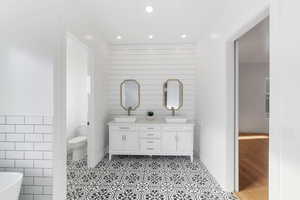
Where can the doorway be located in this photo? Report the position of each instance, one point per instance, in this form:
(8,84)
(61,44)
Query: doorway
(78,100)
(252,112)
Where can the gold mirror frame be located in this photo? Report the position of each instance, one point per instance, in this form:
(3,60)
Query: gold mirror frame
(121,94)
(165,94)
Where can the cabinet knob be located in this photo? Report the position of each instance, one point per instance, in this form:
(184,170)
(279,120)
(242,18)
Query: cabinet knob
(124,128)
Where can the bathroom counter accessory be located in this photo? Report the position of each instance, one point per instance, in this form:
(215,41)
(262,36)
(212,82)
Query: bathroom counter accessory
(151,138)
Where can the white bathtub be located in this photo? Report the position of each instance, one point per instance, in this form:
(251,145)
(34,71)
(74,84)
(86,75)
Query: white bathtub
(10,185)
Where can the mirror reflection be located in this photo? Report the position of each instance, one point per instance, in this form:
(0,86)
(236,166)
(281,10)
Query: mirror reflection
(130,95)
(173,95)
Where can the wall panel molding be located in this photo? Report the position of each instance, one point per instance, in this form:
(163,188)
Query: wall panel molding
(151,66)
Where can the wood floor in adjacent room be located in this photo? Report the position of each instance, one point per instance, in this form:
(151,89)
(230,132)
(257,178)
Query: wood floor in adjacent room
(253,174)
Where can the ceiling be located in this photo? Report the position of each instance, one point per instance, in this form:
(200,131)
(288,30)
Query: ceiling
(128,18)
(254,45)
(106,19)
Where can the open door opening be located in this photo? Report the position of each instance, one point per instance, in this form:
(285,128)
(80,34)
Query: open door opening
(252,113)
(78,88)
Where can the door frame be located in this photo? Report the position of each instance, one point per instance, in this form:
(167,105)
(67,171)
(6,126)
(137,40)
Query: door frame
(59,121)
(236,116)
(60,115)
(91,161)
(232,147)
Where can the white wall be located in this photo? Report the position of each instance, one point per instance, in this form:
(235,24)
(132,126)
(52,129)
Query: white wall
(211,109)
(151,66)
(215,93)
(285,98)
(252,94)
(26,64)
(30,42)
(99,140)
(77,94)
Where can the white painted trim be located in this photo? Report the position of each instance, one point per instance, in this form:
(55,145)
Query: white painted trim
(250,22)
(231,140)
(92,158)
(275,127)
(74,38)
(59,126)
(236,116)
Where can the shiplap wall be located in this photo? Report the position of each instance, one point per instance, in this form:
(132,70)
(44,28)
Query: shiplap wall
(151,66)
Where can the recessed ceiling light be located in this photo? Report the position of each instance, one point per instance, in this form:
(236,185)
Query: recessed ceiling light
(214,36)
(183,36)
(119,37)
(88,37)
(150,37)
(149,9)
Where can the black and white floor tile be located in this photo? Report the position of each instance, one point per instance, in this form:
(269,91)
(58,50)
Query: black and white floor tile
(143,178)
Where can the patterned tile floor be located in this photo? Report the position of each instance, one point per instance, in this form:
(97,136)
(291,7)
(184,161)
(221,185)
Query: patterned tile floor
(143,178)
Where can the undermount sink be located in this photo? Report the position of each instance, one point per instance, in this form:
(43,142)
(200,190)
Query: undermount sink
(125,119)
(175,119)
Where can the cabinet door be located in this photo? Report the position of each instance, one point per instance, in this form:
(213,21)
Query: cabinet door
(184,142)
(117,141)
(168,142)
(131,141)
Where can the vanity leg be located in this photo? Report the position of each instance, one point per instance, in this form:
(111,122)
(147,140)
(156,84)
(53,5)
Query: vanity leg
(109,156)
(192,158)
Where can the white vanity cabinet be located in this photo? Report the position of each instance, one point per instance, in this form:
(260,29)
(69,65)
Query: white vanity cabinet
(177,140)
(151,138)
(123,138)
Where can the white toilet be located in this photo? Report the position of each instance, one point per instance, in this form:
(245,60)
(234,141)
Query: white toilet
(78,145)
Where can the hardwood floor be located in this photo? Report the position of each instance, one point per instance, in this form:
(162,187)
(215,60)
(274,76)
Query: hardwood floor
(253,174)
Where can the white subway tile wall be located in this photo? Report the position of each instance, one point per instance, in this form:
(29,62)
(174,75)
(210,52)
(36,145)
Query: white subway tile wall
(2,120)
(26,146)
(15,119)
(7,128)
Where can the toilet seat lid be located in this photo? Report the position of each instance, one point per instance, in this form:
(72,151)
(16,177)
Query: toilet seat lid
(78,139)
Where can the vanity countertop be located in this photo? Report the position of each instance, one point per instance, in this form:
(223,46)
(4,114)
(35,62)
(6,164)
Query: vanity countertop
(143,121)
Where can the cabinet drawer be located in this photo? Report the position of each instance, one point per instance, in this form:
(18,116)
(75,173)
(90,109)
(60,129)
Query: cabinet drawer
(149,142)
(185,128)
(149,146)
(122,128)
(149,128)
(148,134)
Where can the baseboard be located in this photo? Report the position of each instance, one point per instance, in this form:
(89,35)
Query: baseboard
(196,154)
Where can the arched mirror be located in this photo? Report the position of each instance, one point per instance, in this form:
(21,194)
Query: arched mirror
(173,95)
(130,95)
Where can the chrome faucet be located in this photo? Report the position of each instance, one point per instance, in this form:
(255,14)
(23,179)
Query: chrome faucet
(129,111)
(173,111)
